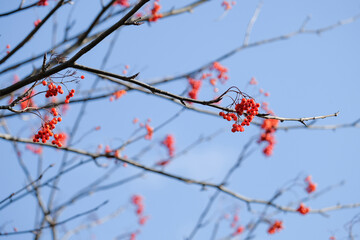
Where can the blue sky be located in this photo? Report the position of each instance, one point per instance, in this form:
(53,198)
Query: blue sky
(306,75)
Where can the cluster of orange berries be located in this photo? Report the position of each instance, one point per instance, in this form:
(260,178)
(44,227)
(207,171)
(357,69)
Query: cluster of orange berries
(195,87)
(221,72)
(238,229)
(269,126)
(70,95)
(227,5)
(137,200)
(155,12)
(8,48)
(169,143)
(117,94)
(248,107)
(150,132)
(59,139)
(275,227)
(47,131)
(53,90)
(37,22)
(28,102)
(311,185)
(303,209)
(124,3)
(35,150)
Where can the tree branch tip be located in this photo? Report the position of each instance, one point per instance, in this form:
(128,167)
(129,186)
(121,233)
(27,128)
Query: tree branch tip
(182,101)
(134,76)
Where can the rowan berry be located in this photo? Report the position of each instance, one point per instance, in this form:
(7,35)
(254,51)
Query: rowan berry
(143,220)
(311,186)
(302,209)
(82,76)
(43,3)
(275,227)
(195,87)
(37,22)
(239,230)
(150,132)
(123,3)
(155,12)
(169,143)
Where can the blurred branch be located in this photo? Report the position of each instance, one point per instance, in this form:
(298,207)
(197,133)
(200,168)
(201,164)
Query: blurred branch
(287,36)
(21,8)
(182,100)
(27,186)
(32,33)
(71,61)
(55,224)
(47,182)
(251,23)
(220,187)
(242,157)
(92,224)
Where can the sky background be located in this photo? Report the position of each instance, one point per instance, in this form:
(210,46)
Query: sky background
(306,75)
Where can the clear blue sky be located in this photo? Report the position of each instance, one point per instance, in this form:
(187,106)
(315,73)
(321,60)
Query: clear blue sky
(306,75)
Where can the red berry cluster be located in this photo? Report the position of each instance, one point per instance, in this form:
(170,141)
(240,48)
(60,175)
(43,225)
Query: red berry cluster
(155,12)
(46,131)
(311,185)
(59,139)
(137,200)
(53,90)
(43,3)
(35,150)
(37,22)
(8,48)
(221,70)
(124,3)
(118,94)
(248,107)
(150,132)
(269,126)
(28,102)
(195,87)
(302,209)
(227,5)
(169,143)
(70,95)
(234,224)
(275,227)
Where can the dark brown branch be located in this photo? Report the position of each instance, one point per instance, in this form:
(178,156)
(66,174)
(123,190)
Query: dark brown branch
(32,33)
(70,62)
(181,99)
(18,10)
